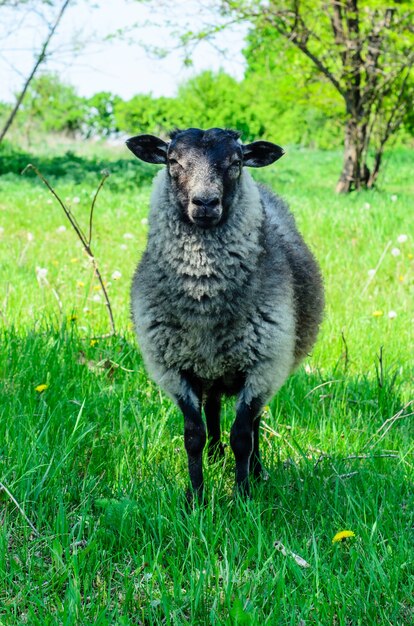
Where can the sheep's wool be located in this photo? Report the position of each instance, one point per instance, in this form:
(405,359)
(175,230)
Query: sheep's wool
(222,301)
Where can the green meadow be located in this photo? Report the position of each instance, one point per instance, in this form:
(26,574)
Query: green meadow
(93,523)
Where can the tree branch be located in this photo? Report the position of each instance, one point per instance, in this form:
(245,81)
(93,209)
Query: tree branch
(86,242)
(40,59)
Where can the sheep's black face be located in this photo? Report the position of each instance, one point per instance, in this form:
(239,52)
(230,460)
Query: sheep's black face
(204,168)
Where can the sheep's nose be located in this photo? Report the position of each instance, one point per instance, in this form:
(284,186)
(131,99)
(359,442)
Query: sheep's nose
(206,203)
(205,210)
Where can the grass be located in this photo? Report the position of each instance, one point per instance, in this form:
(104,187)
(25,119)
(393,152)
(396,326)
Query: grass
(96,461)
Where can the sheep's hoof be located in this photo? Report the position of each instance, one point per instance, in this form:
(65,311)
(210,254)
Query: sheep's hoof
(216,451)
(243,490)
(257,471)
(194,497)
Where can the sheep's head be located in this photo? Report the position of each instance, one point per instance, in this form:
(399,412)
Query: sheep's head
(204,168)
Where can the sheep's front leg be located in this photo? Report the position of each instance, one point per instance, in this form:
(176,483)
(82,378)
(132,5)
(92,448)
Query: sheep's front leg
(212,408)
(194,438)
(242,440)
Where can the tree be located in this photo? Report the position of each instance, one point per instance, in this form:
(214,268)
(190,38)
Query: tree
(296,105)
(54,106)
(364,49)
(40,58)
(100,119)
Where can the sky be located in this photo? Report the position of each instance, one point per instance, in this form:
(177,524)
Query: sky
(120,64)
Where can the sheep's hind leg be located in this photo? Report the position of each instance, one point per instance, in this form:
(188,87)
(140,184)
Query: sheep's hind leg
(194,437)
(256,467)
(242,441)
(212,408)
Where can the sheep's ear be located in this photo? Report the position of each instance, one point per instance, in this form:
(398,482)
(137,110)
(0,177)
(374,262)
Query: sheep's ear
(261,153)
(148,148)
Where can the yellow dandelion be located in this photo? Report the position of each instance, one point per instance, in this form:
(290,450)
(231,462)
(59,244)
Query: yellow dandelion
(401,279)
(97,287)
(41,388)
(74,260)
(377,313)
(410,256)
(80,283)
(93,342)
(343,534)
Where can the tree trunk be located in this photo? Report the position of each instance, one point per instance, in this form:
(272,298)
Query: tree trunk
(355,173)
(376,168)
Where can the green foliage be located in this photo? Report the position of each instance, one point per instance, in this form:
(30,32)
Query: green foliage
(100,118)
(293,45)
(294,102)
(53,106)
(259,106)
(144,114)
(280,98)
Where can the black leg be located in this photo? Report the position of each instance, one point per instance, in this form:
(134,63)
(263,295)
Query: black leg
(242,441)
(194,437)
(212,412)
(256,468)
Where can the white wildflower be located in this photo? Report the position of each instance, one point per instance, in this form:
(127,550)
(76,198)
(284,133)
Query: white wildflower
(394,198)
(76,200)
(96,297)
(395,252)
(144,221)
(41,272)
(367,205)
(402,238)
(41,275)
(49,201)
(30,236)
(286,552)
(61,229)
(371,273)
(128,236)
(123,246)
(1,230)
(116,275)
(392,315)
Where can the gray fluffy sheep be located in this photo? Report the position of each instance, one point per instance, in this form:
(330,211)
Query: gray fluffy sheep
(227,298)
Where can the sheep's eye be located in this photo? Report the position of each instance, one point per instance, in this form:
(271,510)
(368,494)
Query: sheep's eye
(236,163)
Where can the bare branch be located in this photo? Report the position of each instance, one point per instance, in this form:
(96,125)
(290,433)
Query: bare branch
(105,174)
(40,59)
(86,242)
(401,414)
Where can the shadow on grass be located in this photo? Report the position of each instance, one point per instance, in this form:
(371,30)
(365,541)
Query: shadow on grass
(75,168)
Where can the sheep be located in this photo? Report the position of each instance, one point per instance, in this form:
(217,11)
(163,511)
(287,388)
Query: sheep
(227,298)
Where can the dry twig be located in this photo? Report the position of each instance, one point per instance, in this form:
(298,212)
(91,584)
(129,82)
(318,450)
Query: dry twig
(389,423)
(19,508)
(86,241)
